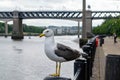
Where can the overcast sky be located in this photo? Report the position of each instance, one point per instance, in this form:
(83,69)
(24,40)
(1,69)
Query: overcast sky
(27,5)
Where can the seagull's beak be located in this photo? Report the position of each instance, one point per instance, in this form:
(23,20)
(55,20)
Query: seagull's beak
(41,35)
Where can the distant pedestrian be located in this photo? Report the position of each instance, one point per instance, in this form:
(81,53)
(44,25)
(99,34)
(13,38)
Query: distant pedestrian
(115,37)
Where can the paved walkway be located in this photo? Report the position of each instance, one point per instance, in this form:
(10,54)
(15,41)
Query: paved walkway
(96,66)
(109,47)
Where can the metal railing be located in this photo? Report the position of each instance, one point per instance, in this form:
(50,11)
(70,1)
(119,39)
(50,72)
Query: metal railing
(83,67)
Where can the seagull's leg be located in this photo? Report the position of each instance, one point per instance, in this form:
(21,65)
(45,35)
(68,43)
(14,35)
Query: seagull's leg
(57,70)
(56,67)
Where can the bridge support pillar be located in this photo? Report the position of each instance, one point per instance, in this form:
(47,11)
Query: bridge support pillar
(6,29)
(88,22)
(17,26)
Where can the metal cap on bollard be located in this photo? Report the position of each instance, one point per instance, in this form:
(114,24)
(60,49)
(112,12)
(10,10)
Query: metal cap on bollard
(90,44)
(56,78)
(86,48)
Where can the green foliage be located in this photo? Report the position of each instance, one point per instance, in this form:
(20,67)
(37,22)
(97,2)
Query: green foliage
(26,29)
(32,29)
(2,28)
(108,27)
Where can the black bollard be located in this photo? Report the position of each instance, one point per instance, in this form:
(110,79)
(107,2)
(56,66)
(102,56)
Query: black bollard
(93,49)
(112,70)
(87,49)
(56,78)
(90,58)
(80,71)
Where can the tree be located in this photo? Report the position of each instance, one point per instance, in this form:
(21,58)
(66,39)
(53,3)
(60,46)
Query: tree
(108,27)
(26,28)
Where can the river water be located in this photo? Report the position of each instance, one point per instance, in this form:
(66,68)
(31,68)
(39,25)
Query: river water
(26,60)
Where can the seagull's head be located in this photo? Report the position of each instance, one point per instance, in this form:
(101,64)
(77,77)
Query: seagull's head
(47,33)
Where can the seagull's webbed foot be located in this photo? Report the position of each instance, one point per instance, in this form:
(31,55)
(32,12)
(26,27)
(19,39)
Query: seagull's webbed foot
(55,75)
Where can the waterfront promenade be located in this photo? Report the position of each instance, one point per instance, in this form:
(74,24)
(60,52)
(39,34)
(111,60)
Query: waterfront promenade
(109,47)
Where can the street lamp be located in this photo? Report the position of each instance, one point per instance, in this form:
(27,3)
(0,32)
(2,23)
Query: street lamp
(84,20)
(89,7)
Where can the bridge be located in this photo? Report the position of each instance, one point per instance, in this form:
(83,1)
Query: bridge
(17,17)
(58,14)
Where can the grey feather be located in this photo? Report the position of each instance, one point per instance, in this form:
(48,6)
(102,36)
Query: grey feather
(66,52)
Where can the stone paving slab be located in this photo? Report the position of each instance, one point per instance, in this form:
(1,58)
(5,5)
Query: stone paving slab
(96,67)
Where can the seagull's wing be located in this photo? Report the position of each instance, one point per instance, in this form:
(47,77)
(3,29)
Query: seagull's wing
(71,42)
(66,52)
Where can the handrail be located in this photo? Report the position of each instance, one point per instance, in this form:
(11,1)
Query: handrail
(77,74)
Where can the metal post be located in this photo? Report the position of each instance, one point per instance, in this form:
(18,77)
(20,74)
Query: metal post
(78,29)
(84,20)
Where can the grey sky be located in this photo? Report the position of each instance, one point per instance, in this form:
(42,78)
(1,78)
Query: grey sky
(10,5)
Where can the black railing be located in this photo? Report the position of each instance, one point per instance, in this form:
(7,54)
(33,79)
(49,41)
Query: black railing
(83,67)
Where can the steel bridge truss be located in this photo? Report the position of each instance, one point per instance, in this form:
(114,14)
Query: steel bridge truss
(59,15)
(105,14)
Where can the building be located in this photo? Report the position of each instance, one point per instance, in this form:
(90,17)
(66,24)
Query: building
(64,30)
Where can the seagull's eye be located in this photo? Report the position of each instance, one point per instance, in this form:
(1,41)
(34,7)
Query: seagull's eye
(47,31)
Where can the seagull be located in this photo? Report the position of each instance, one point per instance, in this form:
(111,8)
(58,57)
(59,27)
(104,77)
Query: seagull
(58,52)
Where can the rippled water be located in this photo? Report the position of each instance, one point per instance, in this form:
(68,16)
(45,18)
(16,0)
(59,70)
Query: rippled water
(26,60)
